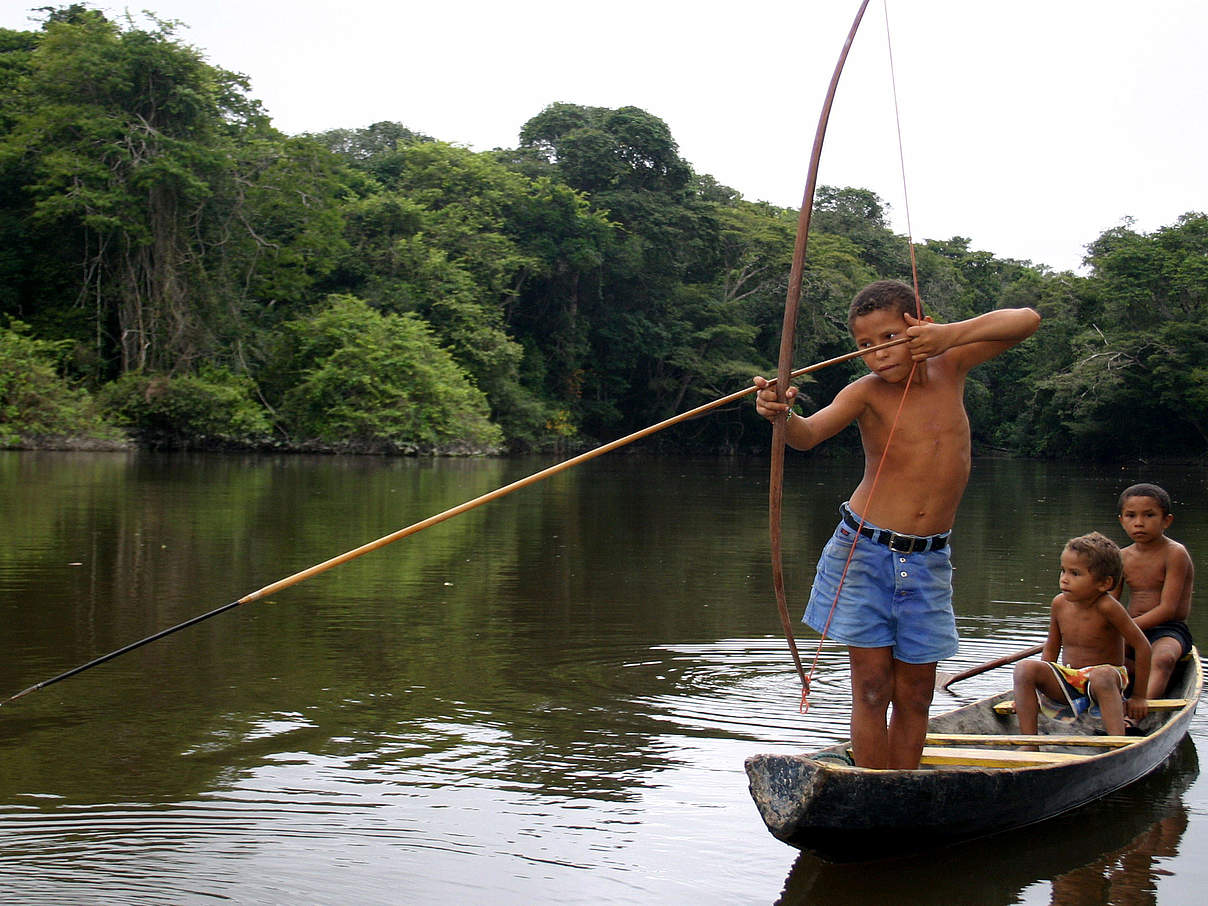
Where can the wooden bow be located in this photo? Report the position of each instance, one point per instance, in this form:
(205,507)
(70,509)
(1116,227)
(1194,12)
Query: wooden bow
(785,362)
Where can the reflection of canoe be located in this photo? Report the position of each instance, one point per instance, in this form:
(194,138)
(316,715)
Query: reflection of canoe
(975,780)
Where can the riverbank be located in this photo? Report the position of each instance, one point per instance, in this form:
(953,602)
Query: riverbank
(131,443)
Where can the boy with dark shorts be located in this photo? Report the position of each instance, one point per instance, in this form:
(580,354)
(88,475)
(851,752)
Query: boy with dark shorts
(894,611)
(1159,575)
(1088,628)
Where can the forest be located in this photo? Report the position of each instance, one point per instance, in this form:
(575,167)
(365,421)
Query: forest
(176,273)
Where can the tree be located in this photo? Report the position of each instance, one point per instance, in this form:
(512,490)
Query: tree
(360,145)
(491,258)
(144,162)
(859,215)
(350,375)
(1136,385)
(627,163)
(598,149)
(35,400)
(131,117)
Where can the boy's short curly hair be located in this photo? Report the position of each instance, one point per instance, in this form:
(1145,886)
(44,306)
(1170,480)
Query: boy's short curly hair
(1101,554)
(1145,490)
(884,294)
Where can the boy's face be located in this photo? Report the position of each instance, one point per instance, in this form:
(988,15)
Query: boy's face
(893,364)
(1143,520)
(1077,581)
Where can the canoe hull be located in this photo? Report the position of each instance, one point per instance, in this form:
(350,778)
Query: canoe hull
(843,813)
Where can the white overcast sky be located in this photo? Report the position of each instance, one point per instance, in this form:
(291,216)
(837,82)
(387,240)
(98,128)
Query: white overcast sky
(1029,126)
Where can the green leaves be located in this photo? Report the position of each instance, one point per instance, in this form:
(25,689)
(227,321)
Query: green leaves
(1131,381)
(381,288)
(211,408)
(378,381)
(35,401)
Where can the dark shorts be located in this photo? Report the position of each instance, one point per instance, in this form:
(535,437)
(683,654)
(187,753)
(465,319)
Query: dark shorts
(1174,629)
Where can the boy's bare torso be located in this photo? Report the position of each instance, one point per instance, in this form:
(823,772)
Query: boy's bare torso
(1087,637)
(1145,570)
(928,460)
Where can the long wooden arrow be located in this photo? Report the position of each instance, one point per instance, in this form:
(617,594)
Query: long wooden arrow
(439,517)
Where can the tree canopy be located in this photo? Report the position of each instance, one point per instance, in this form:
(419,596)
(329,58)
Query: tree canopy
(172,264)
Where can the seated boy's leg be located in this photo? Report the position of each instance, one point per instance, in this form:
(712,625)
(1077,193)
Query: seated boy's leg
(913,689)
(1165,654)
(1032,677)
(872,675)
(1104,687)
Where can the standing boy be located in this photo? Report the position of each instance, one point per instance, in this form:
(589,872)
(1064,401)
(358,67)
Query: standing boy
(1090,628)
(1159,574)
(894,607)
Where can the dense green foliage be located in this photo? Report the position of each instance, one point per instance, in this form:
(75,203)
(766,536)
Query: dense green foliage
(355,375)
(211,407)
(35,400)
(202,278)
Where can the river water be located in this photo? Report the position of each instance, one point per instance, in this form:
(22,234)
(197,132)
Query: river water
(547,699)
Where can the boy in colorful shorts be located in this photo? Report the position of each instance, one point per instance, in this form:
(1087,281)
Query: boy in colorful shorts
(894,611)
(1090,628)
(1159,575)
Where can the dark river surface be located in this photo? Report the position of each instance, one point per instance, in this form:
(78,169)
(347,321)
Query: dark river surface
(547,699)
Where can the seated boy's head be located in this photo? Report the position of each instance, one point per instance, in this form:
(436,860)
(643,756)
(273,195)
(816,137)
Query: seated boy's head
(1144,512)
(1097,555)
(1160,497)
(884,295)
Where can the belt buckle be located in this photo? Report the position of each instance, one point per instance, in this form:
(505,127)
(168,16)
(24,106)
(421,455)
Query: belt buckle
(902,544)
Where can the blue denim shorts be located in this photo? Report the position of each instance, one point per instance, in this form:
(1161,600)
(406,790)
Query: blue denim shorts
(889,599)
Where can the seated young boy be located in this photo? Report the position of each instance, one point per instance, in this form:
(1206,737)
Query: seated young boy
(1159,574)
(1090,628)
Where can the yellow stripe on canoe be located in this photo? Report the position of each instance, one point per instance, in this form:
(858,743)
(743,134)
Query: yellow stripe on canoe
(1155,704)
(998,739)
(986,758)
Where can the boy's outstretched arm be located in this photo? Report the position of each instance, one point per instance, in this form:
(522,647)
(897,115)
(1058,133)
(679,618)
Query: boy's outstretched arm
(806,432)
(978,339)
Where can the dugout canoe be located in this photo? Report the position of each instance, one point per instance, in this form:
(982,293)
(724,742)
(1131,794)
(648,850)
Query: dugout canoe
(974,781)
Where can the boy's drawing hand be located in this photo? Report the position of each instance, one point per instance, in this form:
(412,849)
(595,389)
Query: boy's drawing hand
(1137,707)
(766,403)
(927,338)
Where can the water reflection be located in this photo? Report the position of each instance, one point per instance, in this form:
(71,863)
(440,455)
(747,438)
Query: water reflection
(1107,852)
(553,693)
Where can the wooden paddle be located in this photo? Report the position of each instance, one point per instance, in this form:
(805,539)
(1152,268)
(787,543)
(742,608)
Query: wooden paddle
(944,680)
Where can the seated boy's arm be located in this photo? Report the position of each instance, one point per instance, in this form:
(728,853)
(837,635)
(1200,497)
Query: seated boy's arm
(975,340)
(1117,590)
(1052,644)
(1175,601)
(1137,706)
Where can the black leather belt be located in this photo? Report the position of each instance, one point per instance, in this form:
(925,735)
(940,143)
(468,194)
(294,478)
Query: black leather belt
(902,544)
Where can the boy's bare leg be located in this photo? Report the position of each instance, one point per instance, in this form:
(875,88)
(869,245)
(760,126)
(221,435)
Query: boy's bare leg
(1105,688)
(1164,655)
(913,689)
(871,689)
(1031,676)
